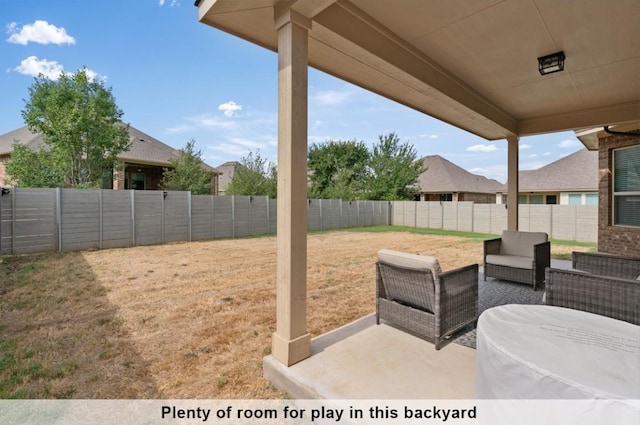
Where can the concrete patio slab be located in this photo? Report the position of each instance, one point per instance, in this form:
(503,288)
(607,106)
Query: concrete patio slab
(367,361)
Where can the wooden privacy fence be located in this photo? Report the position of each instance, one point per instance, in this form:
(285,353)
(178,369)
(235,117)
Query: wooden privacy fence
(566,222)
(40,220)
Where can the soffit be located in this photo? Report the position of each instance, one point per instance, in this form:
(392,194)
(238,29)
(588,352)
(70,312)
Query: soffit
(471,64)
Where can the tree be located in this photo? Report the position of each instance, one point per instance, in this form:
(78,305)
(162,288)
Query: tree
(187,172)
(338,169)
(81,129)
(254,176)
(393,170)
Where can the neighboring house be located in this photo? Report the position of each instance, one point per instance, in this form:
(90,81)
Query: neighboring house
(226,170)
(144,162)
(618,151)
(571,180)
(443,180)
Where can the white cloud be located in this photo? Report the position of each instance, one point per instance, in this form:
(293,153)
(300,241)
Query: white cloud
(525,146)
(568,144)
(34,67)
(497,172)
(39,32)
(482,148)
(330,98)
(50,69)
(230,108)
(173,3)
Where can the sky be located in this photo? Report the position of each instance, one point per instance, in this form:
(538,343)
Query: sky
(177,80)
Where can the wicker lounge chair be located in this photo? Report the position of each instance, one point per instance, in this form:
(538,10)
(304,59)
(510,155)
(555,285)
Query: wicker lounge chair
(412,293)
(518,257)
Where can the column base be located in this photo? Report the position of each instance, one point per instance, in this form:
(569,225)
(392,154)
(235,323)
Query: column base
(289,352)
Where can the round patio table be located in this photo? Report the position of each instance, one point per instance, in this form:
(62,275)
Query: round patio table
(545,352)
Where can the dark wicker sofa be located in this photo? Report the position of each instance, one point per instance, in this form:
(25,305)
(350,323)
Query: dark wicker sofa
(599,283)
(413,294)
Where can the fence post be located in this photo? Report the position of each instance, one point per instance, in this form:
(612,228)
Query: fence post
(321,217)
(266,199)
(162,217)
(101,218)
(59,218)
(213,217)
(13,220)
(473,216)
(189,212)
(233,216)
(133,217)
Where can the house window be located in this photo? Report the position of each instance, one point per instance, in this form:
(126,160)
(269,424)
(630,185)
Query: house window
(592,199)
(626,186)
(134,181)
(551,199)
(446,197)
(535,199)
(575,199)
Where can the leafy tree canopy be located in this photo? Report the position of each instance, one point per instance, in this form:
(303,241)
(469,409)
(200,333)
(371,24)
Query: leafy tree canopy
(254,176)
(393,170)
(338,169)
(187,172)
(80,125)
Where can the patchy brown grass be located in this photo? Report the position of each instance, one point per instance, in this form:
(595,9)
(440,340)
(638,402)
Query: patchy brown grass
(190,320)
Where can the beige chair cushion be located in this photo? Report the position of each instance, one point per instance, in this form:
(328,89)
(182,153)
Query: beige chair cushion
(410,261)
(520,243)
(513,261)
(418,295)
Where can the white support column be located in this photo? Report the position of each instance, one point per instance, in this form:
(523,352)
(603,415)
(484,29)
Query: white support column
(291,341)
(512,185)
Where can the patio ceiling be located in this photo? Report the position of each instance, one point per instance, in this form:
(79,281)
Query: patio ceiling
(469,63)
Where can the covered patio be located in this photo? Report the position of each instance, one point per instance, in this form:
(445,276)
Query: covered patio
(475,65)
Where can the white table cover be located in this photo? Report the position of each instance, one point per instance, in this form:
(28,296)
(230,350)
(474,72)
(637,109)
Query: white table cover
(544,352)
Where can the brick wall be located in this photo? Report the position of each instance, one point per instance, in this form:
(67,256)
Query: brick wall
(618,240)
(478,198)
(4,179)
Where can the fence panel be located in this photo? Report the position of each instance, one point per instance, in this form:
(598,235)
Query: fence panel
(499,218)
(34,226)
(6,222)
(148,207)
(117,225)
(464,216)
(80,219)
(201,217)
(259,215)
(314,215)
(586,223)
(482,218)
(223,217)
(176,224)
(273,216)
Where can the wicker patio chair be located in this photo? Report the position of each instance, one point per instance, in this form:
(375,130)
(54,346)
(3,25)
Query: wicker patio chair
(413,294)
(518,257)
(609,296)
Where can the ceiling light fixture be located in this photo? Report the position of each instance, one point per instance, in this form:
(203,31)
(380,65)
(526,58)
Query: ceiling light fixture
(551,63)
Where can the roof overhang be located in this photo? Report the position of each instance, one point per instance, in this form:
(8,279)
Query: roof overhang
(590,137)
(470,64)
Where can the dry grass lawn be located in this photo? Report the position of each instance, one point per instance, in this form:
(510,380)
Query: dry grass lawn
(190,320)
